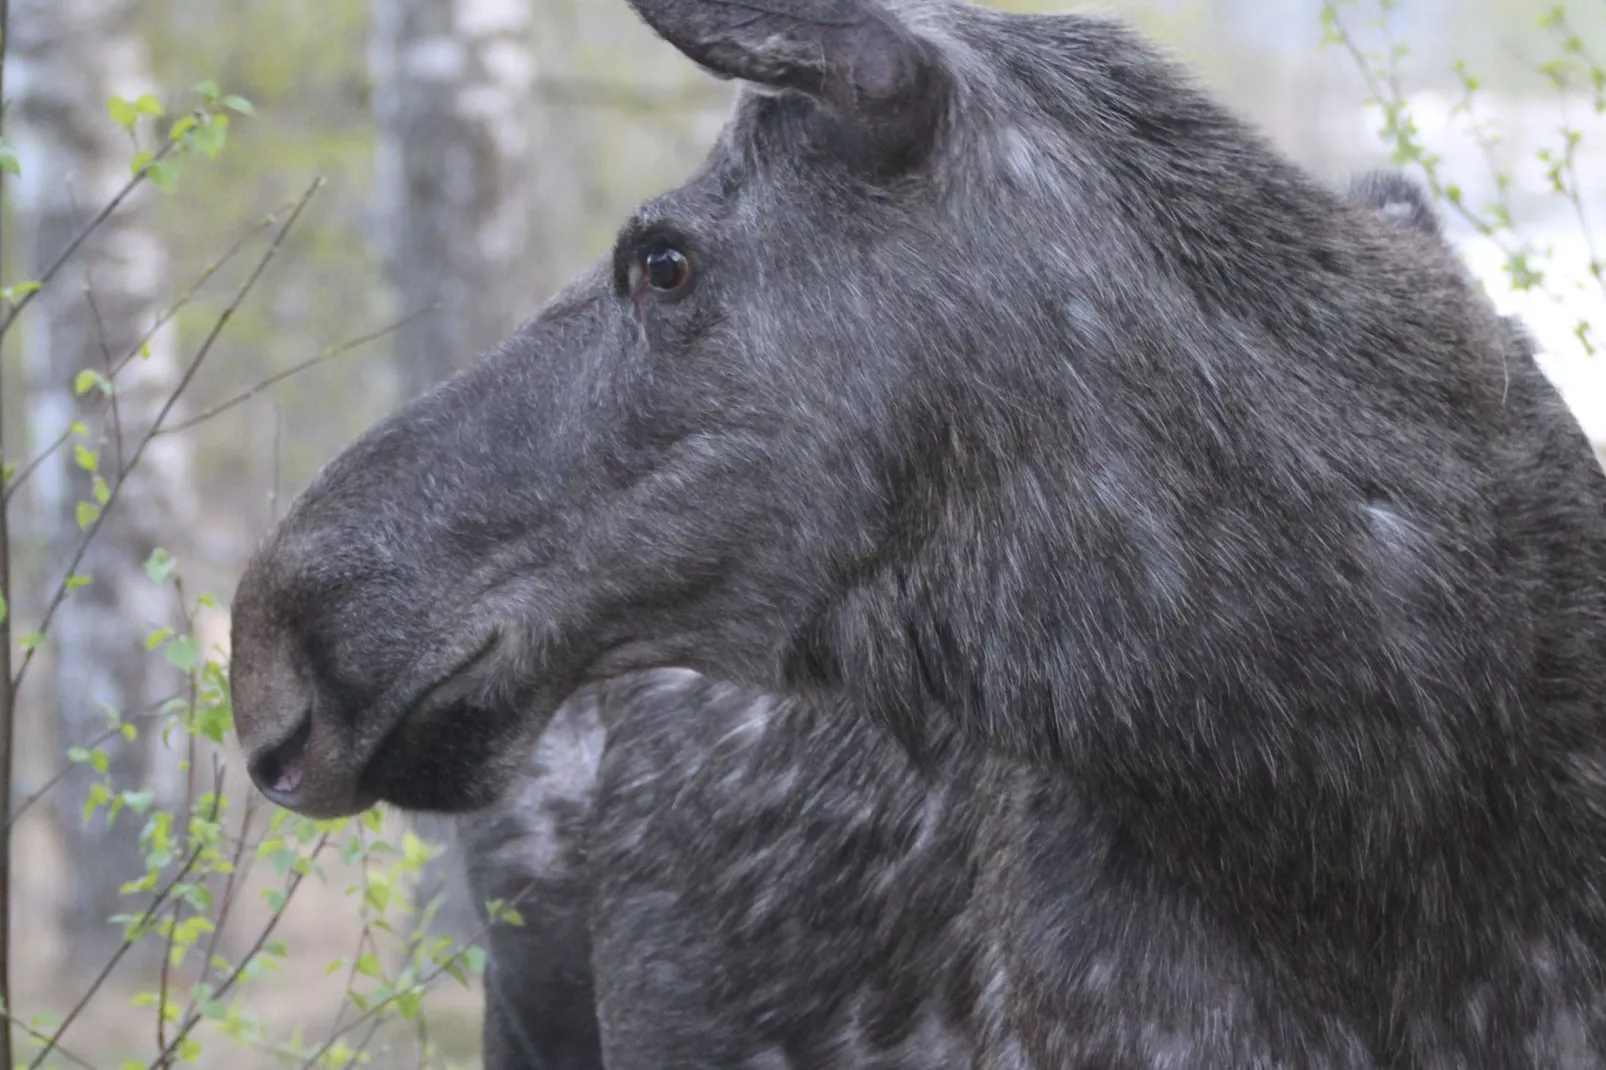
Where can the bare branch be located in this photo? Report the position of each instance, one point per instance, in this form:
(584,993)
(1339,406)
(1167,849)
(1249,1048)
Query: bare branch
(424,981)
(274,380)
(201,354)
(190,1021)
(61,774)
(161,321)
(129,940)
(111,206)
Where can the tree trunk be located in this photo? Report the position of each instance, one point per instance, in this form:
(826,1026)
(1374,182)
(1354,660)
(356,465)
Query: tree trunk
(69,57)
(466,196)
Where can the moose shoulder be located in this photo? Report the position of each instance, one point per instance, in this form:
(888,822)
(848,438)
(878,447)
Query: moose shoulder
(993,381)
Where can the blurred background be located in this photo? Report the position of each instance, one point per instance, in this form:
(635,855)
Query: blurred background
(475,154)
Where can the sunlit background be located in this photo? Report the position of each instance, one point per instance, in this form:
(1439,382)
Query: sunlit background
(475,154)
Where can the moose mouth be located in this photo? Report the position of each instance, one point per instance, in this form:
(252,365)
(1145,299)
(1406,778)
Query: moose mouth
(319,771)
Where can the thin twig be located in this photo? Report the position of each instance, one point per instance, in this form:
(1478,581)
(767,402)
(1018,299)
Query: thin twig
(424,981)
(273,380)
(43,1037)
(8,693)
(114,407)
(133,351)
(1388,95)
(133,183)
(226,903)
(201,354)
(190,1021)
(149,713)
(129,940)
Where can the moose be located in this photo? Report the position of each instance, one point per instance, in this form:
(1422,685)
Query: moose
(992,387)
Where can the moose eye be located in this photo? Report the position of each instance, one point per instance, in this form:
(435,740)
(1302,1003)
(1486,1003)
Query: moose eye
(665,269)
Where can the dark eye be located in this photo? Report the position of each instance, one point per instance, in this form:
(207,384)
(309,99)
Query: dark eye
(665,269)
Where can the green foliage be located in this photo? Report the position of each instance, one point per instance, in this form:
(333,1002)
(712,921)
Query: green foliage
(1572,68)
(201,853)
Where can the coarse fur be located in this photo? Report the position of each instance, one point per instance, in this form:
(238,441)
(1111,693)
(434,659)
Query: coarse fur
(725,879)
(1020,398)
(721,804)
(527,851)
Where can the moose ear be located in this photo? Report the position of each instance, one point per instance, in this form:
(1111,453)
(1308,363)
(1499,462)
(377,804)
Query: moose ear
(880,80)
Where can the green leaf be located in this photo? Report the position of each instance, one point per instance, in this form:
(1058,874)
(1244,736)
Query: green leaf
(5,609)
(149,105)
(208,89)
(162,176)
(368,965)
(138,163)
(157,638)
(122,112)
(182,653)
(8,159)
(98,761)
(212,136)
(84,381)
(102,491)
(474,959)
(88,513)
(77,580)
(85,458)
(32,641)
(239,104)
(158,567)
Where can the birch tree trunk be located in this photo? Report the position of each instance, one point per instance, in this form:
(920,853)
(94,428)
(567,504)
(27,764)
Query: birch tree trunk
(69,57)
(470,192)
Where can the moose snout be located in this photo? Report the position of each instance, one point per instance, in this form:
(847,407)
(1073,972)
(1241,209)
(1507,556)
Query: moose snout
(297,756)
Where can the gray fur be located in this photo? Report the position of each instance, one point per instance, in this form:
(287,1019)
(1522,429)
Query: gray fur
(1079,430)
(750,868)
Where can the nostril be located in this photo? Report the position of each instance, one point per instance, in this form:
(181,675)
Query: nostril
(279,769)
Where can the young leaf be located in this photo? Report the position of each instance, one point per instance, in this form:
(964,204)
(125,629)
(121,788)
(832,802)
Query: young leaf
(181,652)
(162,176)
(160,565)
(122,112)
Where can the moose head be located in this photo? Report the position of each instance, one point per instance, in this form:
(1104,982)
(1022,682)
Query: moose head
(987,375)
